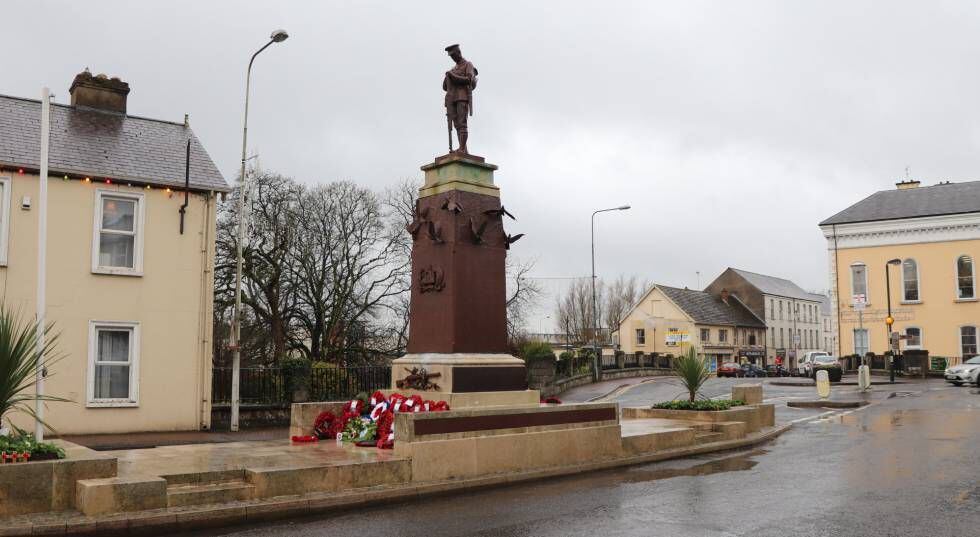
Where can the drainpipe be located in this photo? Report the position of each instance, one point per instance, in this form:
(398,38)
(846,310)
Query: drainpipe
(187,184)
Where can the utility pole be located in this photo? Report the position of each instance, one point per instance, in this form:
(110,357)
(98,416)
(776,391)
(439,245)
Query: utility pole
(42,263)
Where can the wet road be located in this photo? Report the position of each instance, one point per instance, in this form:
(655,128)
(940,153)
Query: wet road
(907,465)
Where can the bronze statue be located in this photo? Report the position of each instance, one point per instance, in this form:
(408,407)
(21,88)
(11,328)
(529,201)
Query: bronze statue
(459,83)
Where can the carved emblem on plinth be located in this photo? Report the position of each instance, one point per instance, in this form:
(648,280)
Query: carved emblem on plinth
(431,280)
(418,379)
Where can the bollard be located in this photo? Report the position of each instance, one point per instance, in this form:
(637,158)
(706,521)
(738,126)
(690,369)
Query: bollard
(823,384)
(864,377)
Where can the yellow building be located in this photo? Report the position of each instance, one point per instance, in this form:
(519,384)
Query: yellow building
(667,319)
(932,235)
(129,292)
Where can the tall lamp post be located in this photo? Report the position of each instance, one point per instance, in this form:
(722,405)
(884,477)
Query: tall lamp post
(595,309)
(277,36)
(889,320)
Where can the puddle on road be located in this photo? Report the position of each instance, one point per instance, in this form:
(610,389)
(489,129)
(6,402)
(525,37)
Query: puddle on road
(664,471)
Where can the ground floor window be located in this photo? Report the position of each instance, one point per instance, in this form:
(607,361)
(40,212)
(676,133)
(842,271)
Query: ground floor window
(113,363)
(968,341)
(860,341)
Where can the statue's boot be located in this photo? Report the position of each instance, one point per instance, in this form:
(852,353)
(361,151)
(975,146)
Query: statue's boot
(462,143)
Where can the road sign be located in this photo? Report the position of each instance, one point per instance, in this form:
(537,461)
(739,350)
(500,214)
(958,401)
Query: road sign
(796,340)
(859,301)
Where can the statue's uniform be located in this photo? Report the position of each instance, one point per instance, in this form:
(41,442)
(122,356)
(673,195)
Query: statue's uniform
(459,94)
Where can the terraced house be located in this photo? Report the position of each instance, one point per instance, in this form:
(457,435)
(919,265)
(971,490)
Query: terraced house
(926,239)
(130,255)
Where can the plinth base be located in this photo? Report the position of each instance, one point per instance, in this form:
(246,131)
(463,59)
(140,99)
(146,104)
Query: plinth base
(468,379)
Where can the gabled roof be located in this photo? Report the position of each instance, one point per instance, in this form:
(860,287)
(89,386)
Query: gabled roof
(706,308)
(772,285)
(895,204)
(96,143)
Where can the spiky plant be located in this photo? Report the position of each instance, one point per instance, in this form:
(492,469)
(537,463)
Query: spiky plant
(19,359)
(691,371)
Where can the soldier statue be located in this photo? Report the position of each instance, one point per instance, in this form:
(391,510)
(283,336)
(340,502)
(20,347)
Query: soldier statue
(459,83)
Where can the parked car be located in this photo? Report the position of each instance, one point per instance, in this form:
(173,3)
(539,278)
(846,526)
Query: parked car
(967,372)
(730,369)
(752,370)
(805,365)
(776,371)
(827,363)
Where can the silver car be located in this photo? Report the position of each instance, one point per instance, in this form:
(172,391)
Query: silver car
(967,372)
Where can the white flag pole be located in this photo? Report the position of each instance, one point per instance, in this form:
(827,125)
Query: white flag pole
(42,241)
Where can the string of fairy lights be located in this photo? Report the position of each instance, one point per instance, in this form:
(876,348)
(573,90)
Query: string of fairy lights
(88,180)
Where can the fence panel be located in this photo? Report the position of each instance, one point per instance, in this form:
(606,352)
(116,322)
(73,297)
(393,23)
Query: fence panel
(266,385)
(608,362)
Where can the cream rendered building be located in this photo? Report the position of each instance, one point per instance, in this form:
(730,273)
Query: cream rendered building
(667,320)
(129,294)
(934,232)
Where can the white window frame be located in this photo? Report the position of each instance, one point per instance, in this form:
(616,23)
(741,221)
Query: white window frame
(641,336)
(907,345)
(723,335)
(134,360)
(956,278)
(918,282)
(7,185)
(139,220)
(867,280)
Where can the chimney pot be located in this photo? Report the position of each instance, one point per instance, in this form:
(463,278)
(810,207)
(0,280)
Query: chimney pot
(905,185)
(99,92)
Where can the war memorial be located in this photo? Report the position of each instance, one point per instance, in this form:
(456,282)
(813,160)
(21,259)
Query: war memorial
(458,414)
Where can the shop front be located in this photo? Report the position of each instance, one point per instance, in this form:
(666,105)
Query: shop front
(752,355)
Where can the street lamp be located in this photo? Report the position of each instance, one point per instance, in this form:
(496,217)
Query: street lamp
(889,320)
(595,308)
(277,36)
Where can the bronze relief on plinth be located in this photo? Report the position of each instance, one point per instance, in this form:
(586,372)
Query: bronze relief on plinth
(431,279)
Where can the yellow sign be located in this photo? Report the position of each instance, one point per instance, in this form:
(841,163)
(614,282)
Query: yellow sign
(676,335)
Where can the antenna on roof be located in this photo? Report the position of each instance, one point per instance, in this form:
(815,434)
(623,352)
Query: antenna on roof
(908,171)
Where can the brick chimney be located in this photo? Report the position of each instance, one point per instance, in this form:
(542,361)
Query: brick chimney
(99,92)
(905,185)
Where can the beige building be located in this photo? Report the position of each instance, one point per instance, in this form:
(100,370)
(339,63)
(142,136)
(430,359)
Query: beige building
(933,233)
(129,292)
(667,320)
(792,315)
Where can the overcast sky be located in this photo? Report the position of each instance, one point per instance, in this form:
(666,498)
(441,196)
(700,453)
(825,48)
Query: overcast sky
(732,128)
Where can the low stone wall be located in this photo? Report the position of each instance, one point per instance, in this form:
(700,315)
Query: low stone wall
(564,385)
(250,416)
(485,441)
(755,417)
(34,487)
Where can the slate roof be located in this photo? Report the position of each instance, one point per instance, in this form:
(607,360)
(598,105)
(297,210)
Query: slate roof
(706,308)
(895,204)
(97,143)
(824,303)
(772,285)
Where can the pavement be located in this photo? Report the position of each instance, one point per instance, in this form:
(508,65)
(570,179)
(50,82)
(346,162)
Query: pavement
(598,390)
(907,464)
(104,442)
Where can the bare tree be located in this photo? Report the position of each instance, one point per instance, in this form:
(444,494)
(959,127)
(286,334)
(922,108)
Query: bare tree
(267,292)
(573,310)
(621,295)
(523,296)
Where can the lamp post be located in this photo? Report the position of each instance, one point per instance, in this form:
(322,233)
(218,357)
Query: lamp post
(277,36)
(595,311)
(889,320)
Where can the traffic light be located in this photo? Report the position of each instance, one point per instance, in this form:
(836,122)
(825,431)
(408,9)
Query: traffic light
(889,321)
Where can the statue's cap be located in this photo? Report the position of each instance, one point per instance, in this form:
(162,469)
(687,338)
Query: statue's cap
(451,48)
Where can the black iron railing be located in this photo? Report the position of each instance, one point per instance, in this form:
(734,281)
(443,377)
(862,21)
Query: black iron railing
(267,385)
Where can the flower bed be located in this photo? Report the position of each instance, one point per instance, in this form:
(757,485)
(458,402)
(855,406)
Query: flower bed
(24,448)
(699,405)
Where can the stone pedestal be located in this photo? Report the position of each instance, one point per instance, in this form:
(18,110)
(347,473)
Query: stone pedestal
(458,319)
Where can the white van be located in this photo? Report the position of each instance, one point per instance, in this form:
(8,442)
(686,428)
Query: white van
(805,365)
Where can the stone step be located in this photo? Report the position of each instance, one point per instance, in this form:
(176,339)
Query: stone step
(707,438)
(208,493)
(203,478)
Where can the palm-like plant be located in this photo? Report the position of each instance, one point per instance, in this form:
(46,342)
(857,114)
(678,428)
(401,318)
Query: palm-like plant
(19,359)
(692,371)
